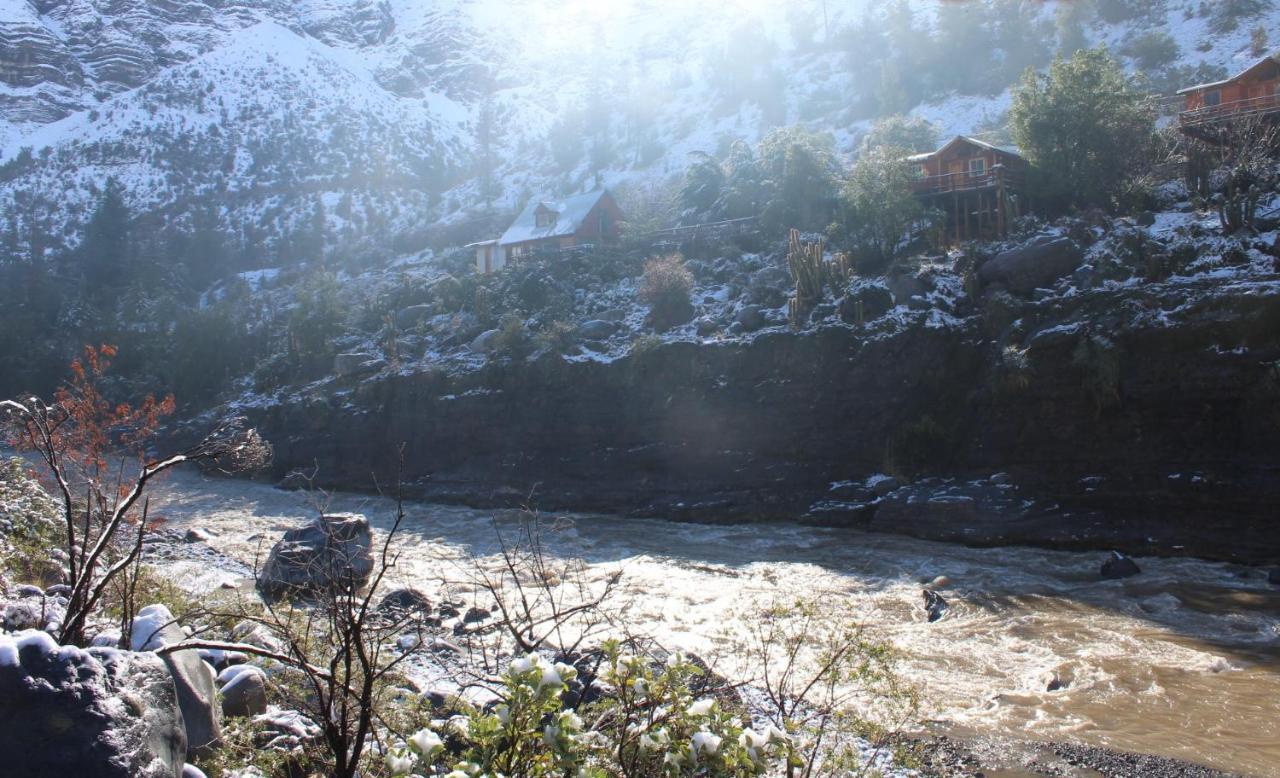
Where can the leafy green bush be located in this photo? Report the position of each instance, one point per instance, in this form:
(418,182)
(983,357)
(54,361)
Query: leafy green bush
(879,207)
(1084,126)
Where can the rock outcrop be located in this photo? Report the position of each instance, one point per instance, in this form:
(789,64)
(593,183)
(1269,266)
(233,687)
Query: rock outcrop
(99,712)
(1038,264)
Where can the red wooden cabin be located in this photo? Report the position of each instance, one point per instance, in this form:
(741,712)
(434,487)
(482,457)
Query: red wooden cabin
(975,183)
(1254,91)
(553,225)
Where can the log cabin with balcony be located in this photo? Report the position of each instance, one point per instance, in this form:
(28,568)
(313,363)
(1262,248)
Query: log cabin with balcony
(1211,109)
(976,184)
(548,226)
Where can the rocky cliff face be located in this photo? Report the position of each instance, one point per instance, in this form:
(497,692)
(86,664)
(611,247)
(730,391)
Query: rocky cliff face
(1142,418)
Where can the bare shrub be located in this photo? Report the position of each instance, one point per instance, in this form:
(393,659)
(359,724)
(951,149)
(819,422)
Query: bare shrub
(665,287)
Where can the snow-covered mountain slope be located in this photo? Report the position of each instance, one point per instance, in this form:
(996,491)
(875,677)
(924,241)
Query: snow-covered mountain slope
(395,114)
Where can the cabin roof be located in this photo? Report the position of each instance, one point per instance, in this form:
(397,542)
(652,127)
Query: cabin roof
(963,139)
(570,213)
(477,244)
(1273,59)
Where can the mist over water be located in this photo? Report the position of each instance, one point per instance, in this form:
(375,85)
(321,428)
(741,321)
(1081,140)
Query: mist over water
(1182,660)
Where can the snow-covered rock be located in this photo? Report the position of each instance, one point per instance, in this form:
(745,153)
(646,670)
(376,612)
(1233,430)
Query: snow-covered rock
(154,627)
(100,712)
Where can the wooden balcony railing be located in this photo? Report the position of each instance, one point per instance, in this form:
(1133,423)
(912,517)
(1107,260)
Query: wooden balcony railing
(966,181)
(1252,106)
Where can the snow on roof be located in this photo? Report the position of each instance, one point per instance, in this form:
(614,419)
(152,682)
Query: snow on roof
(570,213)
(964,139)
(1273,58)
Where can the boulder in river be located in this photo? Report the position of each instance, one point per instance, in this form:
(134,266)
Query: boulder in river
(332,553)
(405,602)
(100,712)
(1119,566)
(934,604)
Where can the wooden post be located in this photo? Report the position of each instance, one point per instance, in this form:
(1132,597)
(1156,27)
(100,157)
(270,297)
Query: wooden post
(955,213)
(1000,201)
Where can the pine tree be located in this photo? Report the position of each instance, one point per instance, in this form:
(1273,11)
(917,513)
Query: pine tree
(104,253)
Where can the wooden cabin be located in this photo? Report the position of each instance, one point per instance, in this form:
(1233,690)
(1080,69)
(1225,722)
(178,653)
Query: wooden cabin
(553,225)
(1209,108)
(977,185)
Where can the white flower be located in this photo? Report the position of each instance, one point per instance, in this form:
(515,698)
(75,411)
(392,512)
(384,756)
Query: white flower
(750,739)
(400,761)
(503,712)
(570,720)
(652,741)
(525,663)
(701,707)
(550,677)
(567,672)
(459,725)
(641,687)
(705,742)
(457,774)
(426,742)
(776,735)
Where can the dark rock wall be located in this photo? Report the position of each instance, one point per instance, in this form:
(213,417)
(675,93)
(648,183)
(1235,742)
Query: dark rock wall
(1177,423)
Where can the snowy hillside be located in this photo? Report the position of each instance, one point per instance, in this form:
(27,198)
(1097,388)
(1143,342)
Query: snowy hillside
(377,118)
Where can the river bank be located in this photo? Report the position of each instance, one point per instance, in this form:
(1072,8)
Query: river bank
(1182,661)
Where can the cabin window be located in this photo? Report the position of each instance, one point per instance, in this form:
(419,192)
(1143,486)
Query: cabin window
(1213,98)
(977,167)
(545,218)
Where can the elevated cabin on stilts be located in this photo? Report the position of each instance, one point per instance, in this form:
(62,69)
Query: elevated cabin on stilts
(1211,109)
(977,185)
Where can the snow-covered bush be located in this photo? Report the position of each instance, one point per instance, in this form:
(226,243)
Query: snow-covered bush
(28,525)
(647,722)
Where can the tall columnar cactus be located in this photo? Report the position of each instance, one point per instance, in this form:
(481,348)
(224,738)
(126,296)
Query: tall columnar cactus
(839,272)
(807,268)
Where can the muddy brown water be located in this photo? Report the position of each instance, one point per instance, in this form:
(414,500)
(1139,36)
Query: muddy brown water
(1181,661)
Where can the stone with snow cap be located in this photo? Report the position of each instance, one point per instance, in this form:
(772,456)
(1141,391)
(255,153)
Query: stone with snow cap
(153,628)
(98,712)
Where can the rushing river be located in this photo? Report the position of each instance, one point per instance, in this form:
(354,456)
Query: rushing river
(1182,660)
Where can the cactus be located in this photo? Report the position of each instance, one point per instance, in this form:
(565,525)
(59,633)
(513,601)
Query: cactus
(808,270)
(839,272)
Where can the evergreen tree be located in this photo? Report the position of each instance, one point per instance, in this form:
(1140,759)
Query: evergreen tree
(104,253)
(879,206)
(798,179)
(911,133)
(703,185)
(1083,125)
